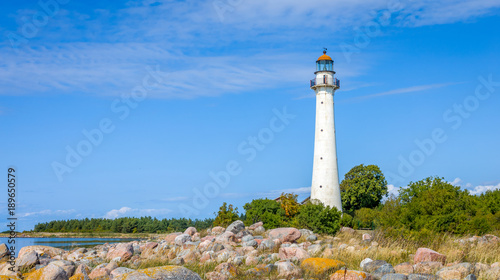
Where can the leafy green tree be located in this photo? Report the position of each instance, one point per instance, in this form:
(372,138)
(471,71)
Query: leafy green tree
(266,210)
(318,218)
(362,187)
(226,215)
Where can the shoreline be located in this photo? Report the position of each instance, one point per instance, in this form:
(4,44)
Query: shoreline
(84,235)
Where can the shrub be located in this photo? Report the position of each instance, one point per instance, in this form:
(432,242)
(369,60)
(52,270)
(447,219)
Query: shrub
(264,210)
(365,218)
(318,218)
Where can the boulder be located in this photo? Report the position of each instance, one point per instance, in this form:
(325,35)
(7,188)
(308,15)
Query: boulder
(422,276)
(99,271)
(170,239)
(285,234)
(226,237)
(458,271)
(383,270)
(404,268)
(27,260)
(364,262)
(68,266)
(428,255)
(160,273)
(373,265)
(394,276)
(4,251)
(51,252)
(348,275)
(287,269)
(181,239)
(236,227)
(218,230)
(259,230)
(312,238)
(124,251)
(227,269)
(320,266)
(367,237)
(287,253)
(120,271)
(428,267)
(190,230)
(256,225)
(49,272)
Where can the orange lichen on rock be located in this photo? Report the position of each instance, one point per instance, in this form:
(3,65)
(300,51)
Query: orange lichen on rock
(321,265)
(78,276)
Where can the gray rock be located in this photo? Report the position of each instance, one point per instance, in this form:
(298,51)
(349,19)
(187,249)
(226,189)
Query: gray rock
(236,227)
(217,247)
(247,238)
(365,262)
(238,260)
(68,266)
(314,249)
(4,250)
(394,276)
(259,230)
(119,271)
(53,272)
(471,277)
(312,238)
(383,270)
(252,243)
(267,244)
(423,276)
(374,265)
(306,232)
(27,260)
(181,239)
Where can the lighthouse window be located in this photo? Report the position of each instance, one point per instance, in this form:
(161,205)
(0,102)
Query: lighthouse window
(322,130)
(321,102)
(321,158)
(320,186)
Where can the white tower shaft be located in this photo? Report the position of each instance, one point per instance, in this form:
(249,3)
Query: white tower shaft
(325,182)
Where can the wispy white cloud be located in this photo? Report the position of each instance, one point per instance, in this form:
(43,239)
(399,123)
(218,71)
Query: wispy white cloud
(48,212)
(108,57)
(402,91)
(130,212)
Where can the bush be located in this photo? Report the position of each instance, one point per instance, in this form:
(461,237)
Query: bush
(346,220)
(318,218)
(264,210)
(365,218)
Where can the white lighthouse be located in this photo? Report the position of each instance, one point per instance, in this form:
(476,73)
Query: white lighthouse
(325,181)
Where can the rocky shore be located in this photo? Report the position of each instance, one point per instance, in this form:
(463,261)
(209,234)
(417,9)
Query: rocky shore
(239,252)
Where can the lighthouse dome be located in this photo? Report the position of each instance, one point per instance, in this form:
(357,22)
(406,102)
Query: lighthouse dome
(325,57)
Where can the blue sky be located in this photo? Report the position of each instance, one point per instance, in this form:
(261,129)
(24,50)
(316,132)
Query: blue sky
(112,109)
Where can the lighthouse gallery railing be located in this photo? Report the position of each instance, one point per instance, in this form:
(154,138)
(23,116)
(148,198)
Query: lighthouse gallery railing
(325,81)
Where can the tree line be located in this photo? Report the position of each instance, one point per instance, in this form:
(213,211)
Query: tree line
(123,225)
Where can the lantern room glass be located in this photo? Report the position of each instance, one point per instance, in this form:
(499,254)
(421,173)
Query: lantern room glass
(324,65)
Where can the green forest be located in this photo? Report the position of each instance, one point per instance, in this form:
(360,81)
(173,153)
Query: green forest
(123,225)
